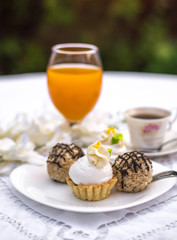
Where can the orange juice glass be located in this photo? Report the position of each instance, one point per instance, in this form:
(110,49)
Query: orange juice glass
(74,77)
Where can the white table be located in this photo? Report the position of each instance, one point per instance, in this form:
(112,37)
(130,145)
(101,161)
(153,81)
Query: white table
(28,92)
(22,218)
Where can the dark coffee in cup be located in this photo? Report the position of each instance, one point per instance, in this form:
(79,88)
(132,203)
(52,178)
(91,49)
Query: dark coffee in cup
(148,116)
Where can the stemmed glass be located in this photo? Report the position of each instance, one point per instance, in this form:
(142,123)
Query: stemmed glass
(74,77)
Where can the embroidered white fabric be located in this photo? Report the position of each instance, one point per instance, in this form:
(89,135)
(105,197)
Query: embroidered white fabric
(22,218)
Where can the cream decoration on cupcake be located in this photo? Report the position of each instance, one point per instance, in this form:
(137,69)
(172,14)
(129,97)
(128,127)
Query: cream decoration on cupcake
(98,155)
(111,136)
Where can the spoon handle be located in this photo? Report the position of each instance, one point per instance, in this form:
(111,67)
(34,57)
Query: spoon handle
(153,150)
(165,174)
(167,142)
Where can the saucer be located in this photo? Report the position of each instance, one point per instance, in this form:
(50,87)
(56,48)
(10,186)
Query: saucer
(168,149)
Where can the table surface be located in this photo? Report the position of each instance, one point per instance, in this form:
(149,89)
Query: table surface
(22,218)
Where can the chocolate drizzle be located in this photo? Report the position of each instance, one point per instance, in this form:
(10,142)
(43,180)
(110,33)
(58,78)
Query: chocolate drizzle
(62,152)
(130,161)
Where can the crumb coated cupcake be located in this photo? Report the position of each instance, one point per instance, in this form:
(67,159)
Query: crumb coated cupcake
(91,177)
(60,159)
(113,139)
(133,171)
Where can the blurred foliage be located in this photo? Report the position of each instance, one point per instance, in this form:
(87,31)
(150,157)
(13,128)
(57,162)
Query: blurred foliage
(138,35)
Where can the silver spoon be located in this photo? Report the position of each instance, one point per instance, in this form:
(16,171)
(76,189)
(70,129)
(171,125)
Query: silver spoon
(163,175)
(158,149)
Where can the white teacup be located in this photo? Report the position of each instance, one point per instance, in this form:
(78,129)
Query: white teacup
(147,126)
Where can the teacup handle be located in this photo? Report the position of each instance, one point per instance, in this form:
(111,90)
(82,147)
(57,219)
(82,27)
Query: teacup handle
(170,123)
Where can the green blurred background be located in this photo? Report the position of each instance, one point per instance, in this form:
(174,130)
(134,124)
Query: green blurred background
(137,35)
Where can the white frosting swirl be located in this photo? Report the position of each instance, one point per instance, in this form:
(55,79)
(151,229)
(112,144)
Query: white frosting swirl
(106,136)
(98,155)
(84,172)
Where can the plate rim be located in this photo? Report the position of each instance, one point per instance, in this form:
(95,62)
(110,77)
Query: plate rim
(88,209)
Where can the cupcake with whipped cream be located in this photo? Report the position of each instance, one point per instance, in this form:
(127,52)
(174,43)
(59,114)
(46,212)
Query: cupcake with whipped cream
(112,138)
(91,177)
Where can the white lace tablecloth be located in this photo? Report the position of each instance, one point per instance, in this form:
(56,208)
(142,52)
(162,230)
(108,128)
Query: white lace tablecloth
(22,218)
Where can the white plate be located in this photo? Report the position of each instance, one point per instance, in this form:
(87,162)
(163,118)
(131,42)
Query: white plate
(33,182)
(168,149)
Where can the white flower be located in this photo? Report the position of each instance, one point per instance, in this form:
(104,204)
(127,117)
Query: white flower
(6,145)
(21,150)
(43,128)
(26,138)
(87,131)
(17,126)
(59,136)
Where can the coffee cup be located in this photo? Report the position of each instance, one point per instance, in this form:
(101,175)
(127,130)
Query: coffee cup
(148,126)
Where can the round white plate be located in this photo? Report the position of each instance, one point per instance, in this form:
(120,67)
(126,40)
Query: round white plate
(168,149)
(33,182)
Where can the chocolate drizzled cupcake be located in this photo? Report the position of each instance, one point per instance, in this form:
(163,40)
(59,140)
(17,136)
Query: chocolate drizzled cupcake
(133,171)
(61,158)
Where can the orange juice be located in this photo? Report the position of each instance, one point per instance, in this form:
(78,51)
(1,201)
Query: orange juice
(74,88)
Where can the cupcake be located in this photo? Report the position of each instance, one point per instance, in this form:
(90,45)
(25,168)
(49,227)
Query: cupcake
(113,139)
(91,177)
(133,171)
(60,159)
